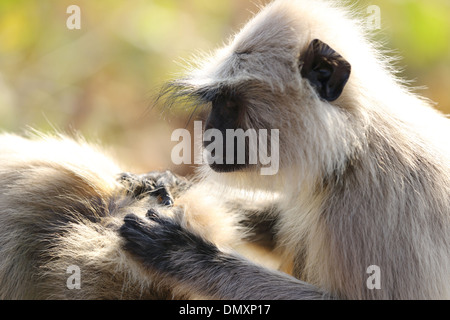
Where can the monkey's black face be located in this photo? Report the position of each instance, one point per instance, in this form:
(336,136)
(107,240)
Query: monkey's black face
(230,140)
(226,149)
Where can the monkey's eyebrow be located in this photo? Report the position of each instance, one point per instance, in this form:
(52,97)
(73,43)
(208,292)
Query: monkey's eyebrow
(183,89)
(186,91)
(182,92)
(206,93)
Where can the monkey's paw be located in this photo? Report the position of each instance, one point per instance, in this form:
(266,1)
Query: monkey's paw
(162,243)
(162,185)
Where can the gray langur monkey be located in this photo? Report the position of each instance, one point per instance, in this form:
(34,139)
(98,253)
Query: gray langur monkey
(364,180)
(62,209)
(61,204)
(364,173)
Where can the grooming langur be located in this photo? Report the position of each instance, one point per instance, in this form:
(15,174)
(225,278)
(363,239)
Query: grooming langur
(61,204)
(364,180)
(364,173)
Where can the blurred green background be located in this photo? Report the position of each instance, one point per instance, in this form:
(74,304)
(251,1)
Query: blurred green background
(102,80)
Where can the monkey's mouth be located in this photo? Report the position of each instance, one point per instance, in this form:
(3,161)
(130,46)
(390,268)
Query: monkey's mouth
(219,162)
(222,168)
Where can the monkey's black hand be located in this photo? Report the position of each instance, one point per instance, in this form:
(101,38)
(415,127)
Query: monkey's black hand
(162,243)
(161,185)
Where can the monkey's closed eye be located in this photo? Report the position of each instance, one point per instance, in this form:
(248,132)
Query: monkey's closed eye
(325,69)
(230,104)
(225,103)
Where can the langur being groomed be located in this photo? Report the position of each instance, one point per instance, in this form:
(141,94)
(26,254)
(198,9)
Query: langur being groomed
(364,180)
(61,204)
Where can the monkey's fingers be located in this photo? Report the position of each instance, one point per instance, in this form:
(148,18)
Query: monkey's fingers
(132,231)
(150,240)
(157,242)
(156,184)
(168,180)
(163,195)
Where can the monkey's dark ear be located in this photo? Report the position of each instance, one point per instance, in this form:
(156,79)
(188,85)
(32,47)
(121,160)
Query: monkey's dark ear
(325,69)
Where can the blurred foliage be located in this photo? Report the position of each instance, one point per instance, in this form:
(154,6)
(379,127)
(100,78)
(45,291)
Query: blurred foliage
(102,80)
(419,32)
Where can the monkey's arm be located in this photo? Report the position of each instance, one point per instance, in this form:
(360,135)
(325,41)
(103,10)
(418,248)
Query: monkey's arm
(258,221)
(163,245)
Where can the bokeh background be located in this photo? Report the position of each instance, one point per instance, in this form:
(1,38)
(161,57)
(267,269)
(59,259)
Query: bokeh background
(102,80)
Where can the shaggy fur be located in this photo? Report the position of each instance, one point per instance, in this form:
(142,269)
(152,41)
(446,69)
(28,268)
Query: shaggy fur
(61,205)
(365,180)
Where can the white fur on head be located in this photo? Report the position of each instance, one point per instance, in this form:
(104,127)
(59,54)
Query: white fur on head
(316,137)
(365,179)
